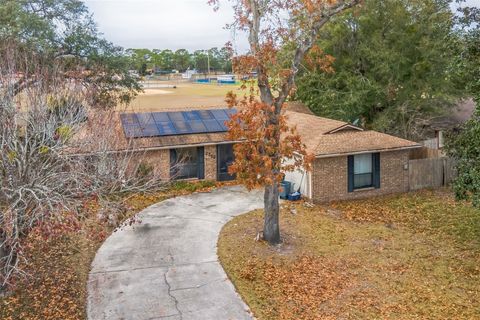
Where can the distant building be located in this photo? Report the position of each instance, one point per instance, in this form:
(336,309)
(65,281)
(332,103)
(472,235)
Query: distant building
(189,73)
(438,126)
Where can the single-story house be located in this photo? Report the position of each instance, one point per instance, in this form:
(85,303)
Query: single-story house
(349,162)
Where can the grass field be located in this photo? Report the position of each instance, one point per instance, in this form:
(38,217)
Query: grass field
(412,256)
(185,95)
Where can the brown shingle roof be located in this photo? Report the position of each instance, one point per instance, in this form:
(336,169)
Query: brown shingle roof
(314,132)
(297,106)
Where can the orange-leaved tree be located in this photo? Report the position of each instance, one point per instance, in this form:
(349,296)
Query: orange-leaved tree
(281,33)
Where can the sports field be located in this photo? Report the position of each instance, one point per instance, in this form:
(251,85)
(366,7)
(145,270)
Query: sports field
(188,95)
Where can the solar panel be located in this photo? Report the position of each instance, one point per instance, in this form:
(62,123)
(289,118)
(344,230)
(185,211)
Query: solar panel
(176,116)
(205,115)
(160,117)
(198,126)
(220,114)
(133,131)
(231,112)
(166,128)
(191,115)
(213,126)
(223,125)
(153,124)
(150,130)
(182,127)
(145,119)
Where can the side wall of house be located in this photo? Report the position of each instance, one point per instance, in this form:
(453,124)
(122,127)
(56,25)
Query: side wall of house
(330,177)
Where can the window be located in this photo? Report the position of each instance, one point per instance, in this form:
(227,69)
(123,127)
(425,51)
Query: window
(363,171)
(187,163)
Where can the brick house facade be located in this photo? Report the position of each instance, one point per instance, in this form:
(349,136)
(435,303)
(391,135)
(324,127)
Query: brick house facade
(330,177)
(350,162)
(160,162)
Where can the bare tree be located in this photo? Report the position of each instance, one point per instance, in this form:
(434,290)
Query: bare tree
(48,165)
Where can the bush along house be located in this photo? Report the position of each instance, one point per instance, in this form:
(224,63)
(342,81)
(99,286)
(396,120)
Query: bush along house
(349,162)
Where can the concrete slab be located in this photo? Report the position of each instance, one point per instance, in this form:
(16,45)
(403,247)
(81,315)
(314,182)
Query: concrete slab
(167,266)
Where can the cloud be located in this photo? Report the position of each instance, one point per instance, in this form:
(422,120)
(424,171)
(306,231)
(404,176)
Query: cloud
(164,24)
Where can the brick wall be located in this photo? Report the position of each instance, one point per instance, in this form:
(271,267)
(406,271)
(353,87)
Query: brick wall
(211,163)
(159,160)
(330,177)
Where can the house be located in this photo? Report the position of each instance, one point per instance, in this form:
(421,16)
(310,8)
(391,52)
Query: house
(437,127)
(192,144)
(350,162)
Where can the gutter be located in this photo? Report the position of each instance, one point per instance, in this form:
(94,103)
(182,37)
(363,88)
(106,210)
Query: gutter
(200,144)
(331,155)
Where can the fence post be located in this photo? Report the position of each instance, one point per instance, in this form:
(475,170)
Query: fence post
(444,162)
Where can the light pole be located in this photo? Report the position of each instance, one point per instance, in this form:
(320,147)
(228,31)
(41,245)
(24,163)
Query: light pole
(208,62)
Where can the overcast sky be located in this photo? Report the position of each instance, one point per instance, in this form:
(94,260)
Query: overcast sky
(164,24)
(168,24)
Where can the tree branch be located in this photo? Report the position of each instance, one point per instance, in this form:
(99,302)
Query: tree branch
(303,49)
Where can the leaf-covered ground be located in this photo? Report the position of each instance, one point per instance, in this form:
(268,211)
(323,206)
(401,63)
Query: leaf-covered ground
(412,256)
(56,284)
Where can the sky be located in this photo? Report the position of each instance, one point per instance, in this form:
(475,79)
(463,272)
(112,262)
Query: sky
(165,24)
(169,24)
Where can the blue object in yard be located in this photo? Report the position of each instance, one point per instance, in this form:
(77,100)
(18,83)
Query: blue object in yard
(226,81)
(285,189)
(294,196)
(203,80)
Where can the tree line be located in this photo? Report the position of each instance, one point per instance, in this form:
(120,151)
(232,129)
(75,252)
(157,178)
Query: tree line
(165,61)
(396,65)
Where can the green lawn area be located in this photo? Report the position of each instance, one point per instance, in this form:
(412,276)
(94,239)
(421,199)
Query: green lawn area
(411,256)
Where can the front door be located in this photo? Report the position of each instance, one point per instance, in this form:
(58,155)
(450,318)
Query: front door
(225,158)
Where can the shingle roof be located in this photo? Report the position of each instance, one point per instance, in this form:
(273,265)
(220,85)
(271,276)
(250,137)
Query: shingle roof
(315,134)
(112,125)
(314,131)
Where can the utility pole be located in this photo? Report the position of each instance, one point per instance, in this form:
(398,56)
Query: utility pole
(208,61)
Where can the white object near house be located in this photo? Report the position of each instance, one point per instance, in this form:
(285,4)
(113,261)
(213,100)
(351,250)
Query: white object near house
(226,77)
(189,73)
(299,179)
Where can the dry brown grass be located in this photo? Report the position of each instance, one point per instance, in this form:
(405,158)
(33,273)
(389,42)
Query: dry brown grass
(411,256)
(58,266)
(186,95)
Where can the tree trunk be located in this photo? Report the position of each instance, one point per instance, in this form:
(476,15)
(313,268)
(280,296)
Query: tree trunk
(3,254)
(271,227)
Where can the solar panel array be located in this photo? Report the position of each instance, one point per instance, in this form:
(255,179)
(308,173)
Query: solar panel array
(156,124)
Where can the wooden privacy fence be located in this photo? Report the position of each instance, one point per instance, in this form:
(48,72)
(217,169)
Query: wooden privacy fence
(430,173)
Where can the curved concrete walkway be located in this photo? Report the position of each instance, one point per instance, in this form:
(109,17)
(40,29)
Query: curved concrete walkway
(167,266)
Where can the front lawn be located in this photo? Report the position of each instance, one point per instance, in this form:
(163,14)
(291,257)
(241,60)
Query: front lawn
(412,256)
(55,286)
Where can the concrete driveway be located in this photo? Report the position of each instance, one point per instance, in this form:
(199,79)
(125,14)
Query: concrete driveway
(167,266)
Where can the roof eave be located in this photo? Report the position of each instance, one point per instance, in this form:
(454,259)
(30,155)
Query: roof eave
(348,153)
